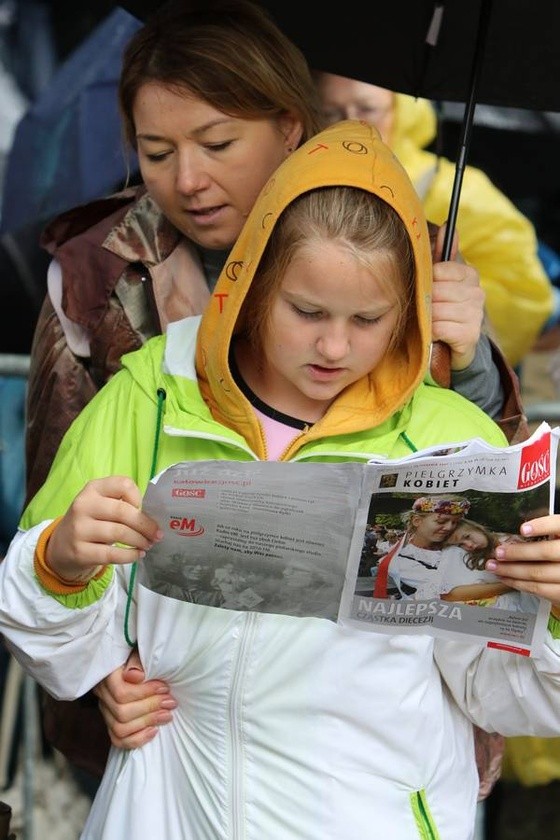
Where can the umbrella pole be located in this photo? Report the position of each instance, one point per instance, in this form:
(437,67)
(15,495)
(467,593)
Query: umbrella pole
(466,127)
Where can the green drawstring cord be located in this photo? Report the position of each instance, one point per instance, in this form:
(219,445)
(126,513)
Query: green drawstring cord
(408,442)
(161,395)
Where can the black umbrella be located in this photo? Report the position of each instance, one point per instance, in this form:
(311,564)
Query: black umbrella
(427,47)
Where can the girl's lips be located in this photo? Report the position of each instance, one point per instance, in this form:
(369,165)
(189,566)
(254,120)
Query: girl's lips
(324,373)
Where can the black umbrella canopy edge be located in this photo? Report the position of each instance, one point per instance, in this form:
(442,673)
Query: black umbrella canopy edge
(385,44)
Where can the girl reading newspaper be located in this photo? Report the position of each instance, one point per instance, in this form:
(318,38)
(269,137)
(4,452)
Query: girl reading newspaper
(314,346)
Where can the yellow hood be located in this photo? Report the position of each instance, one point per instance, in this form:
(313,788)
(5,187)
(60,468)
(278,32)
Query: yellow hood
(414,128)
(349,153)
(414,122)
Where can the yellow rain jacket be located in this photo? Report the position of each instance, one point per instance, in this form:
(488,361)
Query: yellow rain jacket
(494,237)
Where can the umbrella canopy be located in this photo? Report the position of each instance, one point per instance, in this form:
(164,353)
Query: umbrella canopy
(68,147)
(426,47)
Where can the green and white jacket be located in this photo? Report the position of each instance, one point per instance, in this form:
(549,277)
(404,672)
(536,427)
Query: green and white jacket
(286,728)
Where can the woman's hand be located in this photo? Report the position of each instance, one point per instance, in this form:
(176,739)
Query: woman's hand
(103,525)
(457,310)
(132,707)
(532,565)
(457,302)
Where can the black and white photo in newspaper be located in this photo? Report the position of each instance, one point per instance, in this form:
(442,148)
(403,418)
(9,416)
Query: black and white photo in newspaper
(427,526)
(260,536)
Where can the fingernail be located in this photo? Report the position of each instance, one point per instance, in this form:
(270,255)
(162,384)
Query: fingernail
(526,529)
(164,717)
(169,704)
(150,733)
(162,690)
(491,565)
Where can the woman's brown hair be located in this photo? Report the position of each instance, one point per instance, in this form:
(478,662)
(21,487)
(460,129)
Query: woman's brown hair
(229,53)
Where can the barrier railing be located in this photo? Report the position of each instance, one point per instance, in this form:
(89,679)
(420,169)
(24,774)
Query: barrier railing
(12,364)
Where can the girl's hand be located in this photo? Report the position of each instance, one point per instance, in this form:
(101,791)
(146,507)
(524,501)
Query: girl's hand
(132,707)
(532,565)
(103,525)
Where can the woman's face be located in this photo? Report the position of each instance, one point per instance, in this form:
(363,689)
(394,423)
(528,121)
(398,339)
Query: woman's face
(203,168)
(433,528)
(350,99)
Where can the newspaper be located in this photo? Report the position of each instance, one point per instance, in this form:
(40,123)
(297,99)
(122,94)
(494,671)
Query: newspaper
(342,541)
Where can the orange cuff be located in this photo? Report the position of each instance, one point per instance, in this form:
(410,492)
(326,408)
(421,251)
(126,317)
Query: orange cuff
(48,578)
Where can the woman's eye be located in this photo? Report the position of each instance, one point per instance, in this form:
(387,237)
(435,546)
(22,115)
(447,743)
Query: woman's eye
(156,157)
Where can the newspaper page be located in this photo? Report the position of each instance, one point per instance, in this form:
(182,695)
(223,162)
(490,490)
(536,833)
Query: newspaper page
(439,519)
(339,540)
(265,536)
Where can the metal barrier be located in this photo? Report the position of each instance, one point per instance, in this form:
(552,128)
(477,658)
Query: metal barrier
(20,688)
(543,411)
(14,365)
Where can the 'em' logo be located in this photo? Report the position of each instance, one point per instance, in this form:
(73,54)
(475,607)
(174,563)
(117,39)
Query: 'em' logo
(535,463)
(185,527)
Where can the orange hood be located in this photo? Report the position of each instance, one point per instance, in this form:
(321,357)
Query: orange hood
(349,153)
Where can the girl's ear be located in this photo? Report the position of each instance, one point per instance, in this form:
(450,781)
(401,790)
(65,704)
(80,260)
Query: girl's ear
(292,129)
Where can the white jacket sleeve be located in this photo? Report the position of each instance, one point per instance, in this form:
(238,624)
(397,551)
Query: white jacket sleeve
(504,692)
(66,650)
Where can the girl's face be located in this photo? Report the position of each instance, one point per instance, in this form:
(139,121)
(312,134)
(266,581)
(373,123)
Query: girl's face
(203,168)
(469,538)
(330,323)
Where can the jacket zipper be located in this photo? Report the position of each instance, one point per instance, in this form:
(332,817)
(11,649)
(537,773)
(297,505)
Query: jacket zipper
(239,668)
(423,817)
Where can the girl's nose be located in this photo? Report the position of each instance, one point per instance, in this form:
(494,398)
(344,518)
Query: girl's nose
(333,343)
